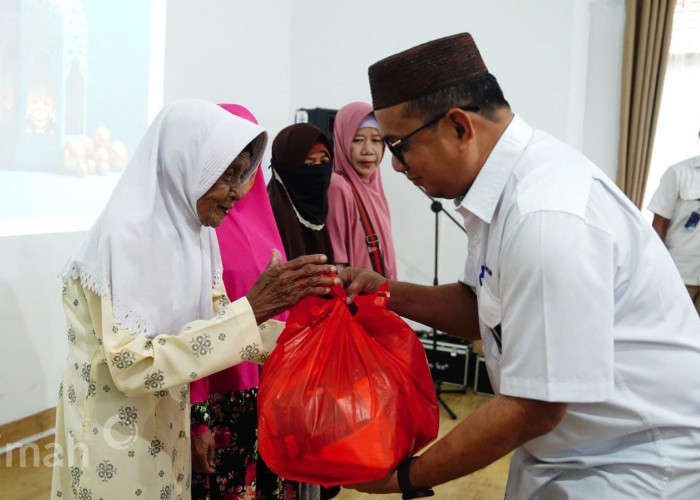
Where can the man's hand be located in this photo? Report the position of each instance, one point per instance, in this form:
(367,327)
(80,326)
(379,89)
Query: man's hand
(360,282)
(388,484)
(281,286)
(203,453)
(487,434)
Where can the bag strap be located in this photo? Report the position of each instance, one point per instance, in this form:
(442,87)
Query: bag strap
(371,237)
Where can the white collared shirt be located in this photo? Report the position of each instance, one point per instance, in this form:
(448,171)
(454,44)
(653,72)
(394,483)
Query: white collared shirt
(579,302)
(676,198)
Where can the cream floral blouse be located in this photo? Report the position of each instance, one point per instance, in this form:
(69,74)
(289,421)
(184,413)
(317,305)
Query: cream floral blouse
(122,424)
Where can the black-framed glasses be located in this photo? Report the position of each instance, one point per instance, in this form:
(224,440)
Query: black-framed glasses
(396,147)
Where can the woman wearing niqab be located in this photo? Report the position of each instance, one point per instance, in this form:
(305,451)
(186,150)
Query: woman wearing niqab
(301,172)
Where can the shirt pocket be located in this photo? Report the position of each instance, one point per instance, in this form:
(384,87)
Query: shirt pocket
(690,191)
(491,315)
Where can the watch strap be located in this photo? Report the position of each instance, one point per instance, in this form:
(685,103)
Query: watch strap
(404,479)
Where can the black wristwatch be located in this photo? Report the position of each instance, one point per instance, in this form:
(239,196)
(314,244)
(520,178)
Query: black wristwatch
(408,490)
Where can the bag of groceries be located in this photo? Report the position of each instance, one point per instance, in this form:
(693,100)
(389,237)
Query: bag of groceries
(346,395)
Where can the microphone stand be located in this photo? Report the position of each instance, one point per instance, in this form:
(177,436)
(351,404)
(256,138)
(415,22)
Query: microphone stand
(436,207)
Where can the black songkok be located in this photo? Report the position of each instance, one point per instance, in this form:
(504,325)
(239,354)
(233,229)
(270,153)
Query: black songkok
(425,69)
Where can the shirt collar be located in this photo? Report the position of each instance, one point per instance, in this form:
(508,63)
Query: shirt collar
(484,194)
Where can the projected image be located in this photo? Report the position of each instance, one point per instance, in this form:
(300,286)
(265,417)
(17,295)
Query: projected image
(74,90)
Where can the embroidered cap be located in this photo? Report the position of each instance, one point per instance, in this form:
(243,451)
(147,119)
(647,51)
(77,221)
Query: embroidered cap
(424,69)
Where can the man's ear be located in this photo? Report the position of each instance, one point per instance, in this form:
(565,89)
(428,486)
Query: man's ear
(461,123)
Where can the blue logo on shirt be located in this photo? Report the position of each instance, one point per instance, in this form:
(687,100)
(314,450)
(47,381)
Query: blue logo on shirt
(484,270)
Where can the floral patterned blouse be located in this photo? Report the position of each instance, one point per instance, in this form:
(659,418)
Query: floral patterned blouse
(123,417)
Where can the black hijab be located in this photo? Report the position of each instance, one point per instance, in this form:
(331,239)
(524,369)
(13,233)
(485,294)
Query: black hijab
(299,193)
(306,185)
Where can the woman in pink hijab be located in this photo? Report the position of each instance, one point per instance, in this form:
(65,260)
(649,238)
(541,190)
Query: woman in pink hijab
(358,219)
(224,405)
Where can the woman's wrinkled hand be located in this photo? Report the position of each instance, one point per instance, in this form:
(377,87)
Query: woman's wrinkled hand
(281,286)
(203,453)
(360,282)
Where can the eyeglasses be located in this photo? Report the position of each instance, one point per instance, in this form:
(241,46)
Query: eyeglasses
(396,147)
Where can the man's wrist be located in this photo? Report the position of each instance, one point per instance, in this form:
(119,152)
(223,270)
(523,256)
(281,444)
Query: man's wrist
(403,476)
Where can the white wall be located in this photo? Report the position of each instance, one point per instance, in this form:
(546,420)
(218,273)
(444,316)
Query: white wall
(557,61)
(603,80)
(34,345)
(232,51)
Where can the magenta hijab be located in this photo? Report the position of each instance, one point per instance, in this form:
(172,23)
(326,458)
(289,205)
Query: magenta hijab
(370,189)
(246,239)
(249,231)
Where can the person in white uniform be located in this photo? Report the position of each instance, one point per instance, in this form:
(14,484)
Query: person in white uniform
(591,343)
(676,207)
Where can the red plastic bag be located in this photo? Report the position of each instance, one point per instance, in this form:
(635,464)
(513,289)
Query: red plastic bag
(344,398)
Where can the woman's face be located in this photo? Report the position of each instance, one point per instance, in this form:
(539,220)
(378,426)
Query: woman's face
(248,185)
(366,151)
(213,206)
(317,155)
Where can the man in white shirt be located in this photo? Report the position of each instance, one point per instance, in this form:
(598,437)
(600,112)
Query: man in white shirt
(676,207)
(591,344)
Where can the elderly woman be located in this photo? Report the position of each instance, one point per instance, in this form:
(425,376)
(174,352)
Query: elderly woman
(359,222)
(147,313)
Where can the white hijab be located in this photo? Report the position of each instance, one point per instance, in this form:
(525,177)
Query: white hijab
(148,250)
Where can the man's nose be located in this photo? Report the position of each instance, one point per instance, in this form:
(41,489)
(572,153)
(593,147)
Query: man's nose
(397,165)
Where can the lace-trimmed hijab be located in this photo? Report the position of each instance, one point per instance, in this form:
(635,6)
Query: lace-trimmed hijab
(148,250)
